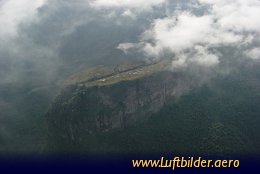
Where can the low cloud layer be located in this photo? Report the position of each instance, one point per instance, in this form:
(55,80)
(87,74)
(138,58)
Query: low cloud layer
(43,37)
(42,42)
(130,4)
(13,13)
(254,53)
(221,23)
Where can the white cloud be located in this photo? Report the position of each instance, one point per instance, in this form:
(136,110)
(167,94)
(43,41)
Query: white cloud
(204,58)
(236,15)
(14,12)
(199,56)
(186,30)
(125,47)
(179,63)
(129,13)
(254,53)
(225,23)
(133,4)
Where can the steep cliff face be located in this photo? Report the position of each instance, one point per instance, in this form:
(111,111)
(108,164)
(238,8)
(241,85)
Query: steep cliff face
(133,108)
(108,100)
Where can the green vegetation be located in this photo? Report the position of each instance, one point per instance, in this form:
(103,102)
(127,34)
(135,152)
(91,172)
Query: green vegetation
(219,118)
(102,76)
(23,124)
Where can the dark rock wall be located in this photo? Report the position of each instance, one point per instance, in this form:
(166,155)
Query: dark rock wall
(79,111)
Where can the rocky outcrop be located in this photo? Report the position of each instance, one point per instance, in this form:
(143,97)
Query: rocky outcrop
(83,109)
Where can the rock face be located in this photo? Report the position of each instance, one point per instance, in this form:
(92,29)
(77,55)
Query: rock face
(133,108)
(109,101)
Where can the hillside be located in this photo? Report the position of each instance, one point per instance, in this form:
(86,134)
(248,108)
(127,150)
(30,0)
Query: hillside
(137,109)
(103,99)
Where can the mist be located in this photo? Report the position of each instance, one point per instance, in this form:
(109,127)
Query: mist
(45,41)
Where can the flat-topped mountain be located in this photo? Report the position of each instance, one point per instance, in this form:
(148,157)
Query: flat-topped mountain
(102,75)
(134,108)
(102,99)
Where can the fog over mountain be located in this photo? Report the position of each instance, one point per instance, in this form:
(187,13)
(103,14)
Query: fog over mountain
(46,36)
(43,42)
